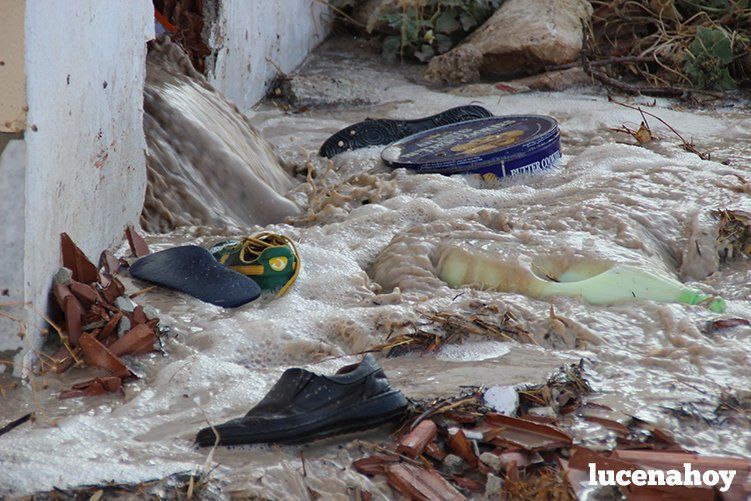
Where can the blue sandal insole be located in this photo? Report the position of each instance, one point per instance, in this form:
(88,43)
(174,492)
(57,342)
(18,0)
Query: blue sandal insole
(193,270)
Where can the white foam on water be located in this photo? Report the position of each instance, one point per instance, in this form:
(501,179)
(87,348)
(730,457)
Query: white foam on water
(478,350)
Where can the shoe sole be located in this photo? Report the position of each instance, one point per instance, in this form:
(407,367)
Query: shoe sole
(355,419)
(382,131)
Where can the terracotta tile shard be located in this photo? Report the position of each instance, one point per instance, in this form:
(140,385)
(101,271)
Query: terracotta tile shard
(138,316)
(434,450)
(110,327)
(137,244)
(61,292)
(614,426)
(421,484)
(73,316)
(458,443)
(61,360)
(75,260)
(505,430)
(675,460)
(114,290)
(468,483)
(93,387)
(374,465)
(85,293)
(97,355)
(109,262)
(136,341)
(413,443)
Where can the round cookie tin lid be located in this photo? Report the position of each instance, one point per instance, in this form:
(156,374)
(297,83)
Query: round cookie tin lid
(462,146)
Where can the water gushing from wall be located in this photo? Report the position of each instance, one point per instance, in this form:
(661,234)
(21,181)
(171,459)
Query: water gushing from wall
(207,165)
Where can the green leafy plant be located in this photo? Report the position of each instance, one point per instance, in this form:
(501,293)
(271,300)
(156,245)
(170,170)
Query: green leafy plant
(429,27)
(708,59)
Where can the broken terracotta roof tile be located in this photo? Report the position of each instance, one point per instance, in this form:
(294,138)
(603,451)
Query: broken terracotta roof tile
(114,290)
(610,424)
(136,341)
(434,450)
(85,293)
(413,443)
(503,430)
(61,292)
(111,326)
(458,443)
(109,263)
(420,483)
(93,387)
(75,260)
(73,317)
(96,354)
(62,360)
(374,465)
(675,460)
(137,244)
(138,316)
(468,483)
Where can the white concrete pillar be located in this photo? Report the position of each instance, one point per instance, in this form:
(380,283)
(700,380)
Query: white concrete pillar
(84,167)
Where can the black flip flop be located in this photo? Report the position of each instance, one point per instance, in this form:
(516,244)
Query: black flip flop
(374,132)
(193,270)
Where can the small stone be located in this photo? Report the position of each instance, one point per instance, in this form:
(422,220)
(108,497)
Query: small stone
(150,312)
(125,304)
(503,399)
(123,327)
(493,487)
(491,460)
(453,464)
(63,276)
(542,412)
(311,91)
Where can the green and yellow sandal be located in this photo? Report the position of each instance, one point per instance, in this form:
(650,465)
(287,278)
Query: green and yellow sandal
(271,260)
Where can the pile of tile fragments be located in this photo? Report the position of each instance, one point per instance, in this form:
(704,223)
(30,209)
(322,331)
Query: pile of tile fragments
(524,446)
(101,323)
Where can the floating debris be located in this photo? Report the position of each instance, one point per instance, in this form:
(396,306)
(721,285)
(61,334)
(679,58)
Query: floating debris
(455,447)
(734,239)
(434,329)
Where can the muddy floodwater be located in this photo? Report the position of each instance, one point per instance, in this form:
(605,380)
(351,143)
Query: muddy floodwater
(369,238)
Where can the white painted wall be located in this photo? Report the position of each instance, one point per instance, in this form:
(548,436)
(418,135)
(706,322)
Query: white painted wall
(85,169)
(249,37)
(12,206)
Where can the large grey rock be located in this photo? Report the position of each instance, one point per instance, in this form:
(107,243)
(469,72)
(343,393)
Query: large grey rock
(461,65)
(525,36)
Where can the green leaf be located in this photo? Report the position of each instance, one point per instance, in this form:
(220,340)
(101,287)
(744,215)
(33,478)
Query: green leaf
(447,23)
(468,21)
(714,42)
(425,53)
(391,46)
(443,43)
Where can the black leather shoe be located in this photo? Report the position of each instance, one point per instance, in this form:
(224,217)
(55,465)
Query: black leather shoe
(374,132)
(303,406)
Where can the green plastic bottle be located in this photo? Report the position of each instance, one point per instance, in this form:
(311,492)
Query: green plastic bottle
(459,267)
